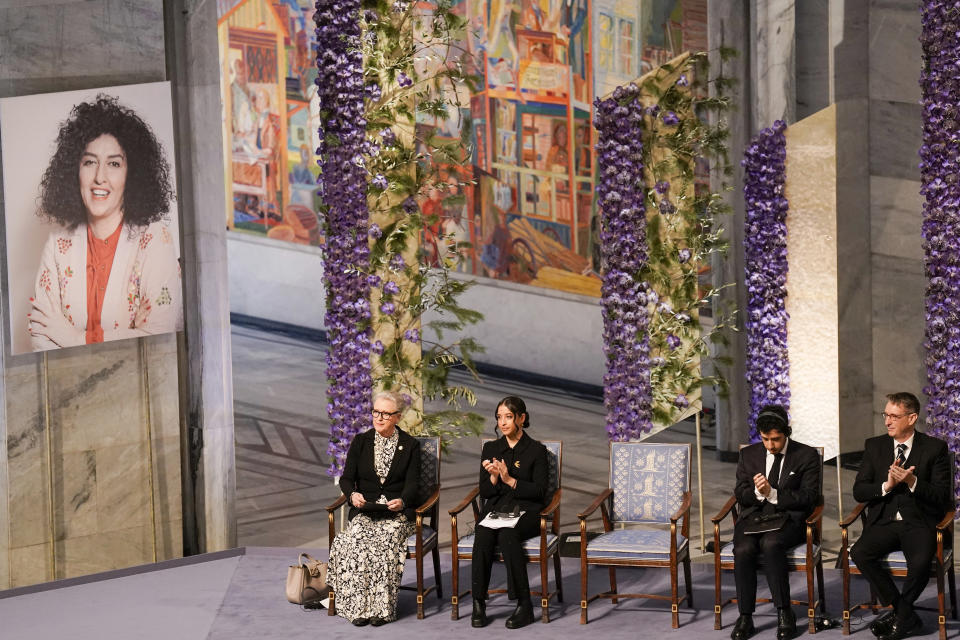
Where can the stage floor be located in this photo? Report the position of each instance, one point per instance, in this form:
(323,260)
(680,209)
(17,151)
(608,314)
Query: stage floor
(239,594)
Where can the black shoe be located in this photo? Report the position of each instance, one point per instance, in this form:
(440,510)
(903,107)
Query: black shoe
(479,617)
(360,622)
(743,628)
(882,623)
(786,624)
(522,615)
(903,628)
(378,622)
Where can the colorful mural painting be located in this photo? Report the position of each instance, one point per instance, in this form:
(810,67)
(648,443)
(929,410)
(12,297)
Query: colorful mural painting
(521,206)
(266,57)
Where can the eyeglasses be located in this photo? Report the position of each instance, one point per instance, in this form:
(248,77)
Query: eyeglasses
(383,415)
(894,416)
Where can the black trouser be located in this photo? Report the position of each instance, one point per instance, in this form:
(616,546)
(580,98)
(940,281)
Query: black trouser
(918,543)
(510,542)
(773,545)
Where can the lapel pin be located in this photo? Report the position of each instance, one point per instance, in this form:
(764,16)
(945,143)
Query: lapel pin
(517,464)
(400,447)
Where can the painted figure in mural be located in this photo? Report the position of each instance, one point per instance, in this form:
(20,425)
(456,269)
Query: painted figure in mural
(380,479)
(905,482)
(514,479)
(268,146)
(557,157)
(778,483)
(495,256)
(111,270)
(301,173)
(244,121)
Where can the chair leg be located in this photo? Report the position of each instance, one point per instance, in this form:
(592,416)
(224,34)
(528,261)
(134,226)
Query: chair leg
(823,597)
(811,603)
(544,590)
(556,573)
(613,583)
(687,581)
(674,603)
(952,583)
(583,589)
(436,572)
(845,569)
(419,562)
(941,601)
(455,584)
(332,608)
(717,591)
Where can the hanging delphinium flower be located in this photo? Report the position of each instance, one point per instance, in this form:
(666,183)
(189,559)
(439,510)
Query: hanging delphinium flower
(939,171)
(765,251)
(343,190)
(626,383)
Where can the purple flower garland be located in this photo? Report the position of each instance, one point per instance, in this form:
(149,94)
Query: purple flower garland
(765,249)
(343,188)
(939,168)
(620,193)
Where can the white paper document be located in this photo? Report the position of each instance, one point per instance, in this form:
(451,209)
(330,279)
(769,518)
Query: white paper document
(501,521)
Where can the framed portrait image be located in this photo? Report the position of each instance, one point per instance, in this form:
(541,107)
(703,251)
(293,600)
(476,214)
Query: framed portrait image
(90,214)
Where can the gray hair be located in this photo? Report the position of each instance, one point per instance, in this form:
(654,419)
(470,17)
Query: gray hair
(396,398)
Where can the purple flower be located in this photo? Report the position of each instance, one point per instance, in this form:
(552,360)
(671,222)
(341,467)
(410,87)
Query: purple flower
(374,231)
(410,206)
(373,280)
(667,208)
(391,288)
(662,187)
(683,256)
(388,137)
(377,347)
(670,119)
(379,181)
(397,262)
(387,308)
(404,80)
(412,336)
(682,80)
(673,342)
(681,401)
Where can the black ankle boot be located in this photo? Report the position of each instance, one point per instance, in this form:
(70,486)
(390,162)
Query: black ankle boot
(479,616)
(522,615)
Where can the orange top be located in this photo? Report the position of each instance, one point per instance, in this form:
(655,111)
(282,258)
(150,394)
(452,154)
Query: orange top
(99,261)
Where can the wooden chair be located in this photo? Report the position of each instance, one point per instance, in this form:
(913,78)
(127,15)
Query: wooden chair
(539,549)
(649,483)
(806,556)
(896,563)
(425,538)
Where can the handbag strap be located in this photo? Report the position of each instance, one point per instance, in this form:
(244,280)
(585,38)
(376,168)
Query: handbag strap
(312,565)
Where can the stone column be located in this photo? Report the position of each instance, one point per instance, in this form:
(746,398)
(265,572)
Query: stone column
(773,88)
(210,478)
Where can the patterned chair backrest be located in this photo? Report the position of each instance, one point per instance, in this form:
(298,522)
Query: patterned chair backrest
(648,480)
(429,465)
(554,461)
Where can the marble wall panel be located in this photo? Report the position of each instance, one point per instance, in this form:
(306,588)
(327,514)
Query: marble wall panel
(895,54)
(30,564)
(75,494)
(123,496)
(161,352)
(895,138)
(898,287)
(896,208)
(774,94)
(105,551)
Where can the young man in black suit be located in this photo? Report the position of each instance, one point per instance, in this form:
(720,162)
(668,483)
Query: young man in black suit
(905,482)
(775,476)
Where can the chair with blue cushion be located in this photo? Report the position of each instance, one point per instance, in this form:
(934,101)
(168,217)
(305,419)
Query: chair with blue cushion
(539,549)
(649,484)
(425,538)
(806,556)
(896,563)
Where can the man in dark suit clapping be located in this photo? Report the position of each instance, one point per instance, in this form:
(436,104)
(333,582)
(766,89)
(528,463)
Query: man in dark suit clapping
(776,477)
(905,482)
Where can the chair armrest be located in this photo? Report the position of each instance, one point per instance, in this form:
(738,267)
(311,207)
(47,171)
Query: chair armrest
(428,504)
(554,504)
(816,516)
(606,493)
(684,508)
(853,515)
(466,501)
(947,521)
(724,510)
(337,503)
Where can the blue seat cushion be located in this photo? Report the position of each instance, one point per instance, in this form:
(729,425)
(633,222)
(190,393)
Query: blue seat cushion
(897,560)
(795,555)
(429,539)
(531,546)
(634,544)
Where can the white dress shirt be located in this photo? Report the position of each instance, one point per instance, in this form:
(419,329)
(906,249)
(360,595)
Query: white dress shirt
(772,498)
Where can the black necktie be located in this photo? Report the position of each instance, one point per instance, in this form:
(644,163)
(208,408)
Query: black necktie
(901,454)
(774,476)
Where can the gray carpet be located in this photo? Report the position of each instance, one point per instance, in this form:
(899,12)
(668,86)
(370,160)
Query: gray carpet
(240,597)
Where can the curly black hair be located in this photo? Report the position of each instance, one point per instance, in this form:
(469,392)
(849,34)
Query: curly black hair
(147,194)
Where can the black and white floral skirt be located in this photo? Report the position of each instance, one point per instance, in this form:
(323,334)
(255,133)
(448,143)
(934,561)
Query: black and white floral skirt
(366,565)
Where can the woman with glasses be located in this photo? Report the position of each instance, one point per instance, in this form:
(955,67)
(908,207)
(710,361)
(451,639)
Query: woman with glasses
(514,479)
(380,479)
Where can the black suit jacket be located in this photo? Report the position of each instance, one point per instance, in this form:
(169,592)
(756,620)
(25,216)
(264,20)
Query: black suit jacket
(403,479)
(528,464)
(800,481)
(932,495)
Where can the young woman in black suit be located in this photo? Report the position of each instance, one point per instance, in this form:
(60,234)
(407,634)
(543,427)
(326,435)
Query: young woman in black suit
(514,475)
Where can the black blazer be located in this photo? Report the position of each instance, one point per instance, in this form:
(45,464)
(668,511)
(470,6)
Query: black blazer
(800,481)
(528,464)
(403,479)
(932,495)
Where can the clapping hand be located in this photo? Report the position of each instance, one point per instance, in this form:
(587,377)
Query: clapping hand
(897,474)
(490,466)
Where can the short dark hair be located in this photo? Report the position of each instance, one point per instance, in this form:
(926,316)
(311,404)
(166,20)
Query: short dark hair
(905,399)
(516,406)
(147,193)
(773,417)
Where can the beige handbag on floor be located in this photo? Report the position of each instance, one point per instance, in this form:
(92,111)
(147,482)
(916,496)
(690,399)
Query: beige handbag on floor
(307,581)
